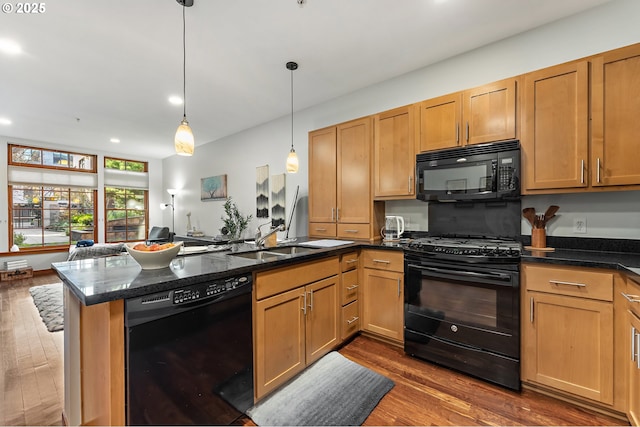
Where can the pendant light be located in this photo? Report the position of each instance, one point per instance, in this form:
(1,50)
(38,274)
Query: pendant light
(184,141)
(292,160)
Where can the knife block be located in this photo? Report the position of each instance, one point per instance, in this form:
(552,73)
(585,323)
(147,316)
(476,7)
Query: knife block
(538,238)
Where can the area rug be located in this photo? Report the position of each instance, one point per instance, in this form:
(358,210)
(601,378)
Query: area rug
(48,300)
(334,391)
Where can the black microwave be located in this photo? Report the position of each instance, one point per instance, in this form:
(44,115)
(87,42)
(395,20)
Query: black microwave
(475,172)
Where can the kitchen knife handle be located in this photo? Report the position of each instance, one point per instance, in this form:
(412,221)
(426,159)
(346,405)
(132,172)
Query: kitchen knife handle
(582,171)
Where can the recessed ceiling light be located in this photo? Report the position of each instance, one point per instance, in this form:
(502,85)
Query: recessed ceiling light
(115,140)
(175,100)
(4,121)
(10,47)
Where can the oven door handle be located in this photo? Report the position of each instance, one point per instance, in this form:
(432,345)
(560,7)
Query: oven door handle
(466,274)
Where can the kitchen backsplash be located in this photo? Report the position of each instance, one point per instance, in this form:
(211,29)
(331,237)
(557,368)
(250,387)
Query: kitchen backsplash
(613,215)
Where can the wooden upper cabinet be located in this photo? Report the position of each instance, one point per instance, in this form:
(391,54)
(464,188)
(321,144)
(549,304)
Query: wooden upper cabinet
(395,153)
(616,117)
(354,172)
(489,112)
(483,114)
(322,175)
(440,121)
(555,128)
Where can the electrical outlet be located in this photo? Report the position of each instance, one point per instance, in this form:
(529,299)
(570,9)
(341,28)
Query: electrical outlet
(579,225)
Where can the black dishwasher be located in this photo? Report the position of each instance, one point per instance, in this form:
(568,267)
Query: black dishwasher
(190,354)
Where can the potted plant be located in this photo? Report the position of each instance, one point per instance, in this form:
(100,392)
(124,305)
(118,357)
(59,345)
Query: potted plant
(234,222)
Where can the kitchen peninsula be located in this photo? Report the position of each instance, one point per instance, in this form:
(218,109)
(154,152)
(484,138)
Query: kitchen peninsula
(95,335)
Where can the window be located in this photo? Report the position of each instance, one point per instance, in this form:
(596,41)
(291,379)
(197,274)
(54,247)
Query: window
(52,197)
(126,200)
(40,157)
(46,217)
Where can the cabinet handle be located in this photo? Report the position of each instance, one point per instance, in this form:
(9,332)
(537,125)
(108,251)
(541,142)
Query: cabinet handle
(398,287)
(352,287)
(598,171)
(350,321)
(467,131)
(638,350)
(337,214)
(311,300)
(582,171)
(351,261)
(531,305)
(321,229)
(351,231)
(457,133)
(410,181)
(558,282)
(333,212)
(631,298)
(633,343)
(304,303)
(383,261)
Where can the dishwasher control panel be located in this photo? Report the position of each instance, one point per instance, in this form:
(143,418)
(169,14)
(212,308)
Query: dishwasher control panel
(209,289)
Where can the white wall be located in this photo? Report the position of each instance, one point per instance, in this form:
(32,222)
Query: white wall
(607,27)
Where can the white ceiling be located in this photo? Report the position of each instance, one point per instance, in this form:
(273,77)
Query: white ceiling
(96,69)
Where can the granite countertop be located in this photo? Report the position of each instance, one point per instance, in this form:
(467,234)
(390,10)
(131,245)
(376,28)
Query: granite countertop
(104,279)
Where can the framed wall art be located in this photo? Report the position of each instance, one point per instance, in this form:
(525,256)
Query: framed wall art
(213,188)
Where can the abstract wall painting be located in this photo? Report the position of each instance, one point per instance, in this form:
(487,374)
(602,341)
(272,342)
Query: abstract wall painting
(278,200)
(262,191)
(213,188)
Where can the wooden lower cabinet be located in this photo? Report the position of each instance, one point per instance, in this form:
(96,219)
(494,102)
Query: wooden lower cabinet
(572,333)
(383,294)
(295,327)
(633,406)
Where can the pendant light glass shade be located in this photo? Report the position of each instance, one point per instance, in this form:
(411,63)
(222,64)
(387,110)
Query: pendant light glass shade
(184,142)
(292,159)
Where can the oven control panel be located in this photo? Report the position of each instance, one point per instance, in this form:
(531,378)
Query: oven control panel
(209,289)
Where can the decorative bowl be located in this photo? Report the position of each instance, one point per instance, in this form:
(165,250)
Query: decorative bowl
(153,259)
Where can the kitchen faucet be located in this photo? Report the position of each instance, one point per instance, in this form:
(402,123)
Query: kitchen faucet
(260,239)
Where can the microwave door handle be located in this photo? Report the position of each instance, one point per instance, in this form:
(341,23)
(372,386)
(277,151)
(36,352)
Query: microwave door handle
(466,274)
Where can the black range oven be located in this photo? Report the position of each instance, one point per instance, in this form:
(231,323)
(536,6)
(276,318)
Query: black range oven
(462,295)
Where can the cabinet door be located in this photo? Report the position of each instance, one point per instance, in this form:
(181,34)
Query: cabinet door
(322,175)
(279,339)
(555,133)
(634,369)
(383,304)
(489,112)
(568,345)
(615,112)
(394,153)
(322,318)
(354,172)
(440,122)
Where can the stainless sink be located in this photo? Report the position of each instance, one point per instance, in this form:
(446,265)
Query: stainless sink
(272,254)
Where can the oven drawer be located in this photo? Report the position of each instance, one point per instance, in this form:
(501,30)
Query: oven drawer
(383,260)
(349,288)
(350,320)
(569,281)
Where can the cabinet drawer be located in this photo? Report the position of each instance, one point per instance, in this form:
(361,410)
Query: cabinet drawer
(350,287)
(633,295)
(569,281)
(322,229)
(350,320)
(272,282)
(349,261)
(353,231)
(383,260)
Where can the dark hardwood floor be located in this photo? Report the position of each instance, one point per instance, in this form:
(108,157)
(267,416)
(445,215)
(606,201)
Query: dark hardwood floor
(424,394)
